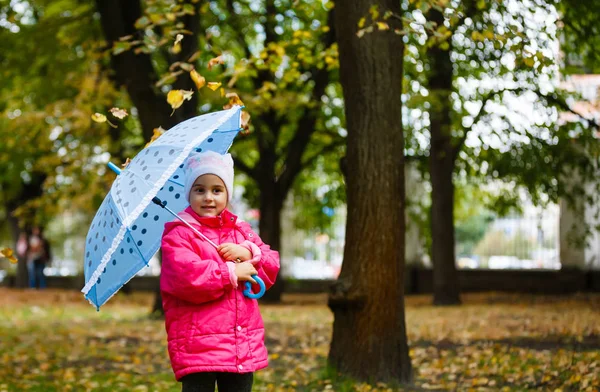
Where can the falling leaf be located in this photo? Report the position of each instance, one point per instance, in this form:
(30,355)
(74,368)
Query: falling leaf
(361,22)
(245,122)
(198,79)
(214,61)
(186,67)
(194,56)
(100,118)
(8,254)
(175,98)
(119,113)
(156,134)
(177,43)
(383,26)
(214,85)
(187,94)
(374,11)
(234,99)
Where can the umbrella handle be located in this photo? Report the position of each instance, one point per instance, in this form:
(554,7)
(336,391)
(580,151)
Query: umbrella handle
(248,291)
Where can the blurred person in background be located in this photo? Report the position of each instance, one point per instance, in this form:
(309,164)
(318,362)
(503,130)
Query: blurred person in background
(38,256)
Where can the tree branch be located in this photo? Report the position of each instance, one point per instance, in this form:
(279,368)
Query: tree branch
(564,105)
(424,159)
(270,22)
(236,26)
(189,46)
(461,141)
(324,151)
(306,126)
(470,12)
(247,170)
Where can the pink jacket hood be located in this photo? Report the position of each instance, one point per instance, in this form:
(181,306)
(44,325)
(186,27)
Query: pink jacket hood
(211,326)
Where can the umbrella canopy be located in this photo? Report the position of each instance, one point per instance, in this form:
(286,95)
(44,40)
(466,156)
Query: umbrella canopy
(127,228)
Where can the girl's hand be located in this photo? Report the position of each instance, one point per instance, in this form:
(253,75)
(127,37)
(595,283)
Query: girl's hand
(244,271)
(234,252)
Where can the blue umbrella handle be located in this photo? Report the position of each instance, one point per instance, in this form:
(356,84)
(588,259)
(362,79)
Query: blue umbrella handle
(248,291)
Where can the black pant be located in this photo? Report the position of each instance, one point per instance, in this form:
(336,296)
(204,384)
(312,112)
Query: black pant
(227,382)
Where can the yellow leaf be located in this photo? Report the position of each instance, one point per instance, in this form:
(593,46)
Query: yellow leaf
(99,117)
(361,22)
(198,79)
(175,98)
(214,61)
(529,61)
(383,26)
(234,99)
(222,92)
(374,11)
(171,18)
(176,48)
(119,113)
(8,254)
(488,34)
(214,85)
(157,132)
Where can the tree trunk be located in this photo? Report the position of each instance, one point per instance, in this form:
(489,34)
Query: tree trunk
(441,168)
(269,226)
(157,306)
(369,333)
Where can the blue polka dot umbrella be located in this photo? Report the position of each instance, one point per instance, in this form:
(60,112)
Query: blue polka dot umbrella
(127,229)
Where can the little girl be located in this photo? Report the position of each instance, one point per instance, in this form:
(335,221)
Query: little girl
(215,334)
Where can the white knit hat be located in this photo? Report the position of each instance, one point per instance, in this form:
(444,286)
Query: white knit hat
(208,162)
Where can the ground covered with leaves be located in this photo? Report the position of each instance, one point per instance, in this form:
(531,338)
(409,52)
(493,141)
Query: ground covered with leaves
(54,341)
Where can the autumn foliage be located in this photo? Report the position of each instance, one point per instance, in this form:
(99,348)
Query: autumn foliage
(51,341)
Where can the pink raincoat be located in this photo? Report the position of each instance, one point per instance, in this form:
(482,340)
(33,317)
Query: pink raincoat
(211,326)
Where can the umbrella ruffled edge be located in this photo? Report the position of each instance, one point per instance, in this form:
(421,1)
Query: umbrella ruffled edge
(144,203)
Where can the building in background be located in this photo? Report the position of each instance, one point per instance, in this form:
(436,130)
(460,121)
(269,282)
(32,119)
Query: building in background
(584,216)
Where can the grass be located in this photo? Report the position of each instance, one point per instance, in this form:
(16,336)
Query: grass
(54,341)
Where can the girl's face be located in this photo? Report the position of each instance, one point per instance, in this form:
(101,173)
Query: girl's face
(208,196)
